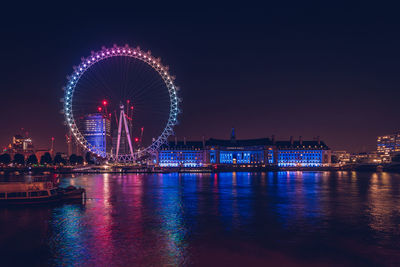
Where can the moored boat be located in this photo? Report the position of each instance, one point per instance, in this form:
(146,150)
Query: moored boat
(72,193)
(17,193)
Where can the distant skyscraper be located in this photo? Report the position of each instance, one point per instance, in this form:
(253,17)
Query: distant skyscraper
(97,131)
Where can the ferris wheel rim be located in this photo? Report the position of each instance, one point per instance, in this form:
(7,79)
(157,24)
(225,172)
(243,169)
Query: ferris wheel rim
(121,51)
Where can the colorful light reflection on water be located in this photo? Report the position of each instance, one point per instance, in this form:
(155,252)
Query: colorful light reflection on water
(290,218)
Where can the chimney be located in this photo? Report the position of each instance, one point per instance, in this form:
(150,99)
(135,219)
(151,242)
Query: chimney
(291,140)
(176,141)
(184,141)
(273,139)
(301,140)
(318,140)
(204,142)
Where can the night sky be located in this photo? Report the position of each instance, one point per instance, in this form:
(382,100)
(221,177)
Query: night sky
(326,69)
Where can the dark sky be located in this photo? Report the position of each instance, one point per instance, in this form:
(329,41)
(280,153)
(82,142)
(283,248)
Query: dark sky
(295,68)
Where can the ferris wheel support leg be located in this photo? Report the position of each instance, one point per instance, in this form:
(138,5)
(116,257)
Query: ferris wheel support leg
(128,136)
(119,134)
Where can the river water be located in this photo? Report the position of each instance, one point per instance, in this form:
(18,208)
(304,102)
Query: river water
(225,219)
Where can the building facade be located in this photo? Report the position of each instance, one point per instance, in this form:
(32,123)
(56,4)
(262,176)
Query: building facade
(182,154)
(97,131)
(367,158)
(20,145)
(388,146)
(239,152)
(302,153)
(245,153)
(341,157)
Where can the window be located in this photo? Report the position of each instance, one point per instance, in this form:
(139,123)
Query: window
(43,193)
(16,194)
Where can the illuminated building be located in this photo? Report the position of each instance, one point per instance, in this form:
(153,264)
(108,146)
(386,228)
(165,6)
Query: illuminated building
(388,146)
(18,141)
(97,131)
(245,153)
(302,153)
(366,158)
(341,157)
(182,154)
(240,152)
(20,145)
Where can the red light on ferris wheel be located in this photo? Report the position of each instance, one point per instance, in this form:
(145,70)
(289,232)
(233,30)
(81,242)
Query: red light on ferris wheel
(105,102)
(136,139)
(131,107)
(99,109)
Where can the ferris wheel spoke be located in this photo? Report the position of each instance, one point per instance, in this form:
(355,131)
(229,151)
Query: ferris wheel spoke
(148,88)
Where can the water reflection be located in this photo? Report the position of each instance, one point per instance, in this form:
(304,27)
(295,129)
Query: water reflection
(383,219)
(66,232)
(183,219)
(172,227)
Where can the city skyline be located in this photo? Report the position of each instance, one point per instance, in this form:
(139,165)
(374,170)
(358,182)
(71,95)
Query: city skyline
(264,74)
(139,133)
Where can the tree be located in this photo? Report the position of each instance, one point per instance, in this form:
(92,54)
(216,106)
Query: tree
(46,159)
(73,159)
(58,159)
(88,158)
(32,160)
(5,159)
(79,160)
(19,159)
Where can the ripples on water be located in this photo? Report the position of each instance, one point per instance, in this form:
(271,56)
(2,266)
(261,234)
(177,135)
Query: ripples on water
(290,218)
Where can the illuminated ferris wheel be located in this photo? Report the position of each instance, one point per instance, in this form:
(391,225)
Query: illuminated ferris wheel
(121,103)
